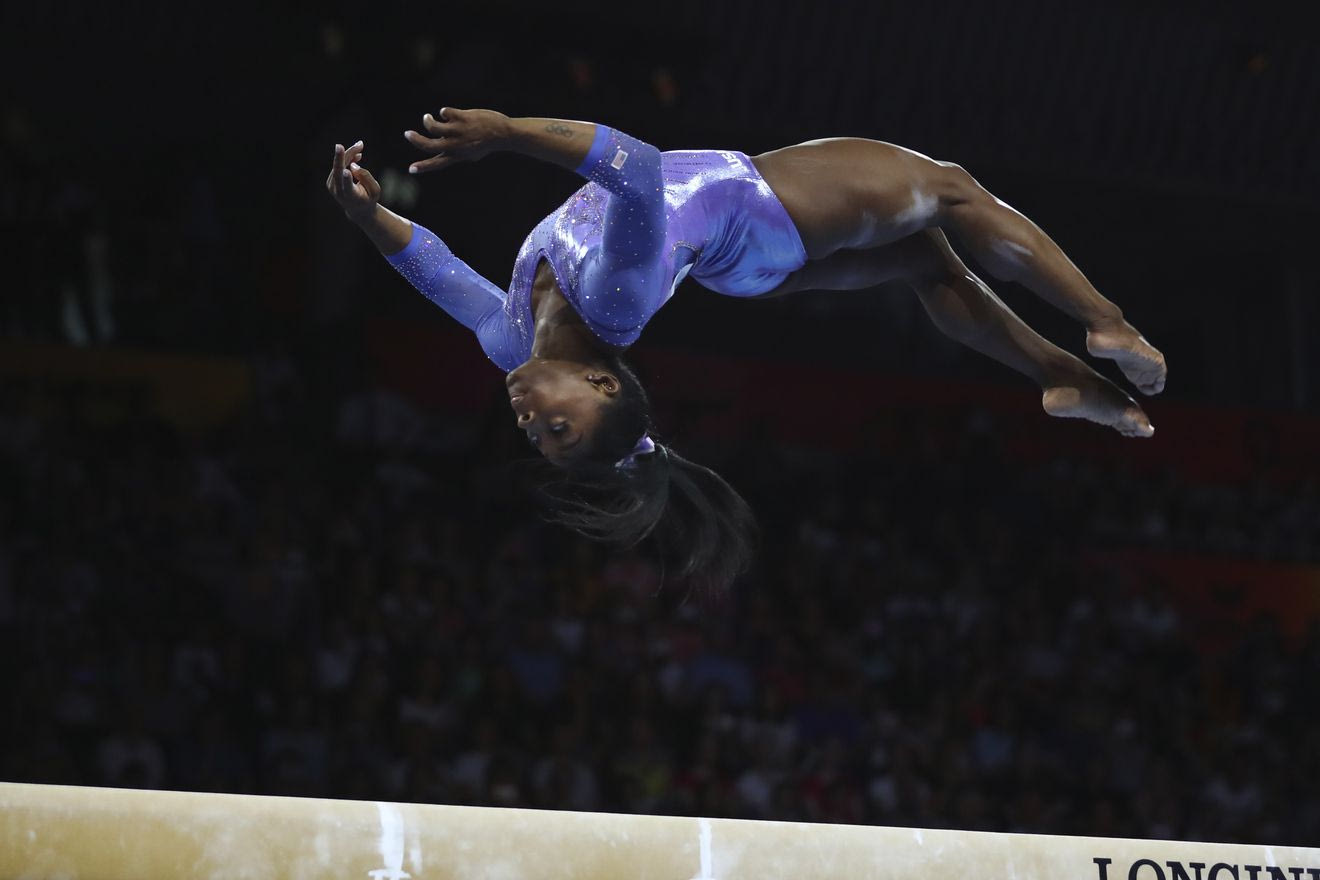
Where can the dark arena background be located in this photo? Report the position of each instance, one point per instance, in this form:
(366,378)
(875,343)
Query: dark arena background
(264,529)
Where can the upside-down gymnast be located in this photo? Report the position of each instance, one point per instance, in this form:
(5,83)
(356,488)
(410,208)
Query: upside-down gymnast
(834,214)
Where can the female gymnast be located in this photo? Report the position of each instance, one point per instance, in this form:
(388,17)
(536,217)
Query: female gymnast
(833,214)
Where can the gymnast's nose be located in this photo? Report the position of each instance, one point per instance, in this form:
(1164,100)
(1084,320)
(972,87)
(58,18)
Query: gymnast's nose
(525,418)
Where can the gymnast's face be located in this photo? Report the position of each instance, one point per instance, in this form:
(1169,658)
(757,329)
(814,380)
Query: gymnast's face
(558,403)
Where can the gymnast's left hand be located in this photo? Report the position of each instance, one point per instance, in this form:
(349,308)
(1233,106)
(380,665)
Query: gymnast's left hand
(351,185)
(458,136)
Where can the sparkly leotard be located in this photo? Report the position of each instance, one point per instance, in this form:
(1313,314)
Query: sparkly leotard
(621,244)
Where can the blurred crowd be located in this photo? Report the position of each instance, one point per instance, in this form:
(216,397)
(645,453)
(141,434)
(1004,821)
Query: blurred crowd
(277,606)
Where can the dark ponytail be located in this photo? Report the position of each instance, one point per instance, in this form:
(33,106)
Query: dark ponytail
(701,527)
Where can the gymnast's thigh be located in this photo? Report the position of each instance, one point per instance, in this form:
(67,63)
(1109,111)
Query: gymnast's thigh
(911,259)
(853,193)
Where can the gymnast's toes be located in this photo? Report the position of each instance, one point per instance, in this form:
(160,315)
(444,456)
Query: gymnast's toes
(1142,363)
(1097,400)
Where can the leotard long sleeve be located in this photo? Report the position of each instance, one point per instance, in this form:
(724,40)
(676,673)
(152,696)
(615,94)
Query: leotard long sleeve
(621,244)
(453,285)
(620,284)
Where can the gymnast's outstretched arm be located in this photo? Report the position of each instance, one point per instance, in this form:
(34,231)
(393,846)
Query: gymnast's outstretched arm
(469,135)
(621,281)
(420,256)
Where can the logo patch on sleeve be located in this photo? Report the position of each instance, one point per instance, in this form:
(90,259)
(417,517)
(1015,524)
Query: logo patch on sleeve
(619,158)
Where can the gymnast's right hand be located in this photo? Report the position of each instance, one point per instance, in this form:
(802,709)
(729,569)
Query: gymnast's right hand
(353,187)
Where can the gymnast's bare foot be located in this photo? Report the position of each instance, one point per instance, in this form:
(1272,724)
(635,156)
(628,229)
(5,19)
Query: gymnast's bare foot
(1085,394)
(1140,361)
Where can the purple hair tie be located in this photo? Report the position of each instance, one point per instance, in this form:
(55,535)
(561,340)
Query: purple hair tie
(645,446)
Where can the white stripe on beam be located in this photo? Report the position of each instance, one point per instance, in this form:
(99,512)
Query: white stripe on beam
(117,834)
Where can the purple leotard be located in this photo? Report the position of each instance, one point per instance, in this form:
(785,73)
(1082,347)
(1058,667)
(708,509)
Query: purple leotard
(621,244)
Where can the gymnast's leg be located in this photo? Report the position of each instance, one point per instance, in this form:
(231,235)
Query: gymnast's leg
(965,309)
(856,193)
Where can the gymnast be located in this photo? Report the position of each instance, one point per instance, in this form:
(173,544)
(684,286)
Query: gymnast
(832,214)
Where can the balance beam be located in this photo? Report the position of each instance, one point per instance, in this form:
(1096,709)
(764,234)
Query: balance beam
(49,831)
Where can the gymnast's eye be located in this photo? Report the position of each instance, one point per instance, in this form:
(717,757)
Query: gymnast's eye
(560,428)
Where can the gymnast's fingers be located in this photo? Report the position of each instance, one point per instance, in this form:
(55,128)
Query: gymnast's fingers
(354,153)
(335,183)
(435,163)
(422,142)
(438,128)
(366,181)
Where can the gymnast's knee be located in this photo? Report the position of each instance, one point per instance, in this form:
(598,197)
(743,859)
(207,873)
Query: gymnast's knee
(956,186)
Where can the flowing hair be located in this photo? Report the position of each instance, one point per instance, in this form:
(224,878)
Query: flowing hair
(701,527)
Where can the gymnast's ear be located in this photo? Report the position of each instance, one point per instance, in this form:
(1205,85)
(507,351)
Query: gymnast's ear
(605,382)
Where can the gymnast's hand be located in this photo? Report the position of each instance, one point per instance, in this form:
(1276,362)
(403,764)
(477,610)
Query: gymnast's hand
(458,136)
(353,187)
